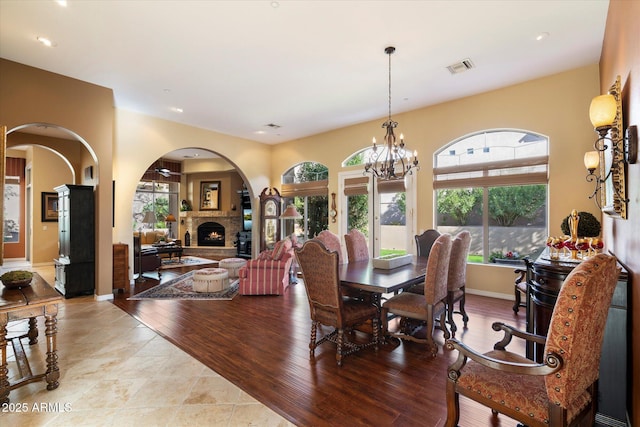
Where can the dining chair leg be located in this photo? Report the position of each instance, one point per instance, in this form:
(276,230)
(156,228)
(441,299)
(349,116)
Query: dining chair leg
(465,317)
(450,307)
(312,343)
(339,354)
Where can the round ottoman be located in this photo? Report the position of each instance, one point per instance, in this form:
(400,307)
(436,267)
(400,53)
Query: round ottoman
(232,265)
(210,280)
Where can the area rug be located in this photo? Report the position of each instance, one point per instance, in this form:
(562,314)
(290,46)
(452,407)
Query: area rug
(181,288)
(185,261)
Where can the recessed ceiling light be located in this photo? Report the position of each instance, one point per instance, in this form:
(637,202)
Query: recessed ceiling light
(275,4)
(62,3)
(542,36)
(177,110)
(259,132)
(45,41)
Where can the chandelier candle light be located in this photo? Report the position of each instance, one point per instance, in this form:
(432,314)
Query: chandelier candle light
(391,161)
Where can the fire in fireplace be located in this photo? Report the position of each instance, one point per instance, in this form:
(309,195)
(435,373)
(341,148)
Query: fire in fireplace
(211,234)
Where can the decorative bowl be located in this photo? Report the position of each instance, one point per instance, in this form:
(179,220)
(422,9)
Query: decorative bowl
(16,279)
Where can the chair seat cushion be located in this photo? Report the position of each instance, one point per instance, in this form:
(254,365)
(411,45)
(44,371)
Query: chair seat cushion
(412,305)
(523,393)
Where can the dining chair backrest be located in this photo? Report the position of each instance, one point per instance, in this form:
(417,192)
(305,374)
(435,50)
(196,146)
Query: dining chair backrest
(436,276)
(457,275)
(424,242)
(357,248)
(331,241)
(577,327)
(319,267)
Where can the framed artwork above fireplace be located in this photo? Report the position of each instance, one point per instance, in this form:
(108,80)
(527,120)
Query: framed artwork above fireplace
(210,195)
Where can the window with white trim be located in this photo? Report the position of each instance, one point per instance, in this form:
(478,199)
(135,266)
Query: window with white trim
(494,184)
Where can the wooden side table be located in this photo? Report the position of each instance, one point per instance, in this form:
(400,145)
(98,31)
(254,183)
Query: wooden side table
(120,266)
(39,299)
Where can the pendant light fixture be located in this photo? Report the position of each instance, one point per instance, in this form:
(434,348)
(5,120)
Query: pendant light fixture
(391,161)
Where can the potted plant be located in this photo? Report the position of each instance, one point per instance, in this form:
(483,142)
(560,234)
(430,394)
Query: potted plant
(16,279)
(510,258)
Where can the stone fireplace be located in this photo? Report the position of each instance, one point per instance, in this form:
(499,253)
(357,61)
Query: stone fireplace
(211,234)
(227,226)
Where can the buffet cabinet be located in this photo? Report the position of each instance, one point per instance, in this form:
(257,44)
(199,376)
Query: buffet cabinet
(75,265)
(544,280)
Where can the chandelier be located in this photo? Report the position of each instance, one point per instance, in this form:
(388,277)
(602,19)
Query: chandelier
(390,161)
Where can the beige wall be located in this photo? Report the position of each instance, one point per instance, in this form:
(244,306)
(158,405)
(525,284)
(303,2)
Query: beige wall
(140,140)
(29,95)
(621,57)
(556,106)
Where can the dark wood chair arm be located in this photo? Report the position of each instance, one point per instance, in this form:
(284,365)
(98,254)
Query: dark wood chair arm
(510,332)
(553,362)
(522,276)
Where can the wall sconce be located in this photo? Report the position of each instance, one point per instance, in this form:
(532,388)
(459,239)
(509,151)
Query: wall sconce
(613,152)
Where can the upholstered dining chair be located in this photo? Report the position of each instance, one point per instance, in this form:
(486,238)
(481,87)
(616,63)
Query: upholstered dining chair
(424,241)
(562,390)
(321,280)
(357,248)
(427,307)
(332,242)
(457,278)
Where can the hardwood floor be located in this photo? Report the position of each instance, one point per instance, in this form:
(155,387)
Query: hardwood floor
(261,344)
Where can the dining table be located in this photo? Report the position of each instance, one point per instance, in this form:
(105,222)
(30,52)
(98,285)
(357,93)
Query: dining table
(363,276)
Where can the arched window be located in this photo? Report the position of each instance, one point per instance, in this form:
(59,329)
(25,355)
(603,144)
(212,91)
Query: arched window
(494,184)
(306,186)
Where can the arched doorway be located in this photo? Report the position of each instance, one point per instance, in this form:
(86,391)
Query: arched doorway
(38,157)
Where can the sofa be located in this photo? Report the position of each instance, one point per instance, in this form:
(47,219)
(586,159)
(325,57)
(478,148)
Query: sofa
(269,274)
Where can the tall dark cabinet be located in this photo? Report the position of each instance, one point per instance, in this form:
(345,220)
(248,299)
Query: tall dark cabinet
(75,265)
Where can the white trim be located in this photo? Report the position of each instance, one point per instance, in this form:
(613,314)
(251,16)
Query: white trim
(510,297)
(107,297)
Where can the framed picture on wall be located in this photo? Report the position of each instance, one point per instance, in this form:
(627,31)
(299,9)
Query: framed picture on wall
(210,195)
(49,207)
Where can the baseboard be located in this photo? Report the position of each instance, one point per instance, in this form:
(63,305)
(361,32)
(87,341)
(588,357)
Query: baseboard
(107,297)
(509,297)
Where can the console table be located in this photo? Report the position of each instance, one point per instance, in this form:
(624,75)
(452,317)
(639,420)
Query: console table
(544,280)
(29,302)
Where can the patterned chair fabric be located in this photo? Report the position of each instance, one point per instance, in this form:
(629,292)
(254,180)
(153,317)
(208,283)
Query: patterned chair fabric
(357,248)
(331,241)
(457,278)
(269,274)
(428,306)
(424,242)
(560,391)
(327,307)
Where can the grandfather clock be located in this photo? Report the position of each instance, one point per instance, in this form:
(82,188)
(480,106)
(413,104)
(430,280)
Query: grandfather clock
(270,205)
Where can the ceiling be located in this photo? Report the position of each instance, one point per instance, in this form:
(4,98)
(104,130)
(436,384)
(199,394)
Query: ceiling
(236,67)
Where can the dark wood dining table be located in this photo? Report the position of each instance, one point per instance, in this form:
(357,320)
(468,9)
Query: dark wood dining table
(363,276)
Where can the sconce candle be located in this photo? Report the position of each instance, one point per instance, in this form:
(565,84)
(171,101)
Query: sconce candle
(591,160)
(602,111)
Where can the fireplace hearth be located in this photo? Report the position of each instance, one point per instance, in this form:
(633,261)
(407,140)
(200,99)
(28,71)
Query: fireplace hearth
(211,234)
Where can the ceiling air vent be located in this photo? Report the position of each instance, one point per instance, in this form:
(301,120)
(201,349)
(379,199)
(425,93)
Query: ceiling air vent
(273,126)
(461,66)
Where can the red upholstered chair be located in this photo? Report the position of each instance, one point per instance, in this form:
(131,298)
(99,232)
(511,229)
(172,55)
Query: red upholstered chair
(427,307)
(357,248)
(562,390)
(457,278)
(332,242)
(327,306)
(269,273)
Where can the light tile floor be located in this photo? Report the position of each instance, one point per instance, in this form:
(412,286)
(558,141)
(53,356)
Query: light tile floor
(114,371)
